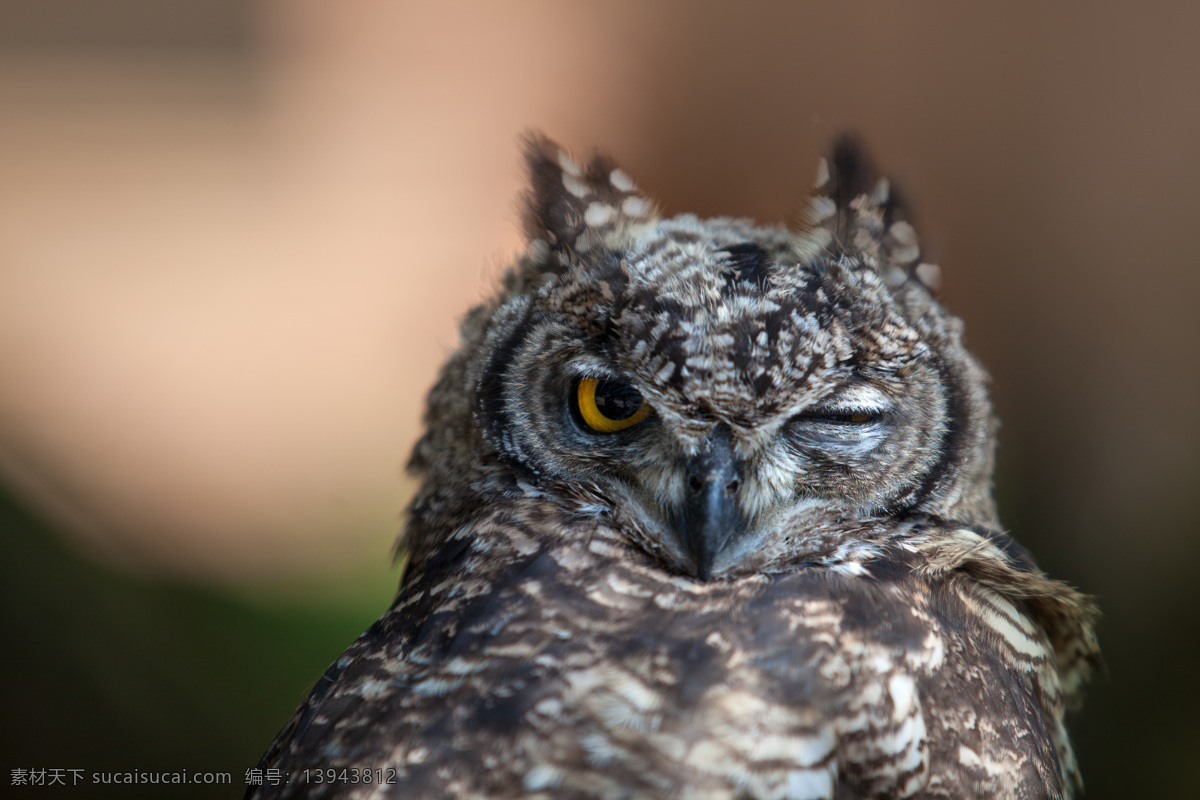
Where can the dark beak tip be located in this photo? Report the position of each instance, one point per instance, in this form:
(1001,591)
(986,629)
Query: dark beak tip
(707,529)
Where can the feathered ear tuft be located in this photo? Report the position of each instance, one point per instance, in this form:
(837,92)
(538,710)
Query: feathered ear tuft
(572,207)
(854,213)
(851,174)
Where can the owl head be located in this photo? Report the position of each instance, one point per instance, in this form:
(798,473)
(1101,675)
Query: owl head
(724,392)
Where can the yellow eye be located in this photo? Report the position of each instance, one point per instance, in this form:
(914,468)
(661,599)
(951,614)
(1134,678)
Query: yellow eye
(610,406)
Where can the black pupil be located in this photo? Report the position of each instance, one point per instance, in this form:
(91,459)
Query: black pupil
(617,400)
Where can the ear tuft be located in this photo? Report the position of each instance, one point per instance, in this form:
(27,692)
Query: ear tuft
(854,213)
(572,207)
(851,173)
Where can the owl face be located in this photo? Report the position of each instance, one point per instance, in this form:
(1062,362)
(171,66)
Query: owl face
(717,388)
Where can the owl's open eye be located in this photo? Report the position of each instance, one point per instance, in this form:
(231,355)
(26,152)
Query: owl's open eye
(608,406)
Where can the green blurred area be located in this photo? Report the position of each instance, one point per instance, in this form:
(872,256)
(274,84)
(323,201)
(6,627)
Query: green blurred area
(107,672)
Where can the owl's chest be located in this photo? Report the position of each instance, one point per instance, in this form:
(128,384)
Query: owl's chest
(638,678)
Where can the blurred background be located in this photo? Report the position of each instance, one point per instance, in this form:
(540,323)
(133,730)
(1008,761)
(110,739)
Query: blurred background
(236,239)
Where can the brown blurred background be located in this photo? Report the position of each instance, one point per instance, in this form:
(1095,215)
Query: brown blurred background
(236,238)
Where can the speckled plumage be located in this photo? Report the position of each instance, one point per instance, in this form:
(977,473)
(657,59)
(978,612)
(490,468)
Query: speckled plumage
(861,627)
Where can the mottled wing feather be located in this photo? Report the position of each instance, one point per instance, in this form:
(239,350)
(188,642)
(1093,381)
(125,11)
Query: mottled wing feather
(560,672)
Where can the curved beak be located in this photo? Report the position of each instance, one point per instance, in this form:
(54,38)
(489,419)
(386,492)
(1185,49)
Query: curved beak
(711,516)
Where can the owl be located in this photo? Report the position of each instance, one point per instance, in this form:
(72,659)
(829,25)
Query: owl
(706,512)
